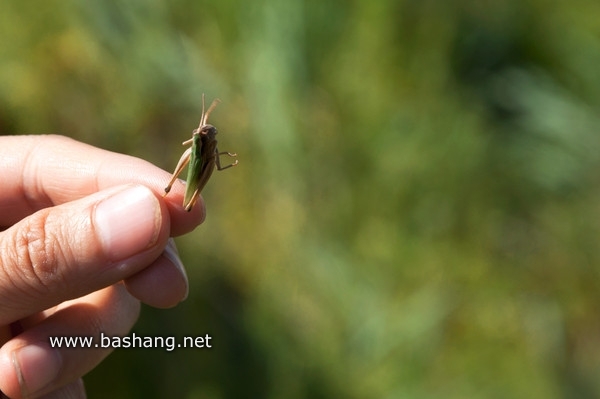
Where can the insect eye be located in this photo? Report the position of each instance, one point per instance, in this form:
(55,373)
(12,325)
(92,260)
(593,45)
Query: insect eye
(209,130)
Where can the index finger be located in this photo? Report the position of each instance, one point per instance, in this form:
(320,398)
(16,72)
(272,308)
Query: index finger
(46,170)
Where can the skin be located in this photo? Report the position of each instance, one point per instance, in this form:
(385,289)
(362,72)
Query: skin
(84,238)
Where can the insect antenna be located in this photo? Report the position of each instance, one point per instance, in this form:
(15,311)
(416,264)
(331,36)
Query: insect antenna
(210,109)
(204,117)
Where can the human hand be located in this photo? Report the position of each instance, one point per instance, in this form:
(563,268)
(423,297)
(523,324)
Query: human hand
(84,237)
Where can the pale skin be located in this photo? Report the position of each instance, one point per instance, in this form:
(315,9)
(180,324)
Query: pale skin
(84,238)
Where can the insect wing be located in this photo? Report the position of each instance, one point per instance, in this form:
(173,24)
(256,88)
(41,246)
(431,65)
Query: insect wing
(200,168)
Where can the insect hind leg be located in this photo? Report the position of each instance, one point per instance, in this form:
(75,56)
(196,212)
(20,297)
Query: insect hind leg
(218,156)
(183,161)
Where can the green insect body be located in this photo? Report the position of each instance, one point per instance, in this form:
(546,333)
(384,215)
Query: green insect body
(201,158)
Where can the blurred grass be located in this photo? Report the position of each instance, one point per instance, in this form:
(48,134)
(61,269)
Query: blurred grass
(416,209)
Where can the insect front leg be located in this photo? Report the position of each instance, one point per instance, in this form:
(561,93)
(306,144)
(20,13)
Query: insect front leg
(183,161)
(193,200)
(218,155)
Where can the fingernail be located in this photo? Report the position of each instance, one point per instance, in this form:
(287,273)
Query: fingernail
(128,222)
(36,365)
(172,255)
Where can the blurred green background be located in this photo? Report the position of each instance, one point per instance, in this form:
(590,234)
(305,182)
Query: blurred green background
(416,213)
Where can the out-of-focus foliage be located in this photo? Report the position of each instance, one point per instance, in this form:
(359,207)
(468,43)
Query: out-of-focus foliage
(416,213)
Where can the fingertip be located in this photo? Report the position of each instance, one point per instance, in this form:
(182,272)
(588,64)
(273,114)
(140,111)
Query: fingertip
(37,366)
(164,284)
(182,221)
(128,222)
(27,370)
(9,381)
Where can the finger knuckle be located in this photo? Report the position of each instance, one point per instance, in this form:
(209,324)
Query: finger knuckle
(37,253)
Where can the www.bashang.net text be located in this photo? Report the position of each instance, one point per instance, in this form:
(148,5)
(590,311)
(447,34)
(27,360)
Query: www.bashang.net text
(132,341)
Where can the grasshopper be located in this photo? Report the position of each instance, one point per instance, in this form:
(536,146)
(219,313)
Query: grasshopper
(202,158)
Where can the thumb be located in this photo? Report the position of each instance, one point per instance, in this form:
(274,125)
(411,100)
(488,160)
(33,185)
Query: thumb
(73,249)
